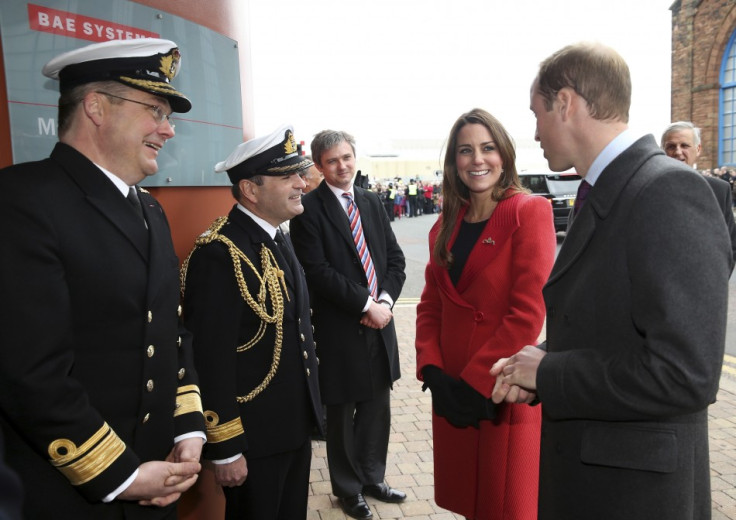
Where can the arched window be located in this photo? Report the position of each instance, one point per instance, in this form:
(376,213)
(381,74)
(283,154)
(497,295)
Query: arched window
(727,112)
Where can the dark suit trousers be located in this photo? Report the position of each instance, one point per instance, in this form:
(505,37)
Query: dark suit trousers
(357,433)
(276,488)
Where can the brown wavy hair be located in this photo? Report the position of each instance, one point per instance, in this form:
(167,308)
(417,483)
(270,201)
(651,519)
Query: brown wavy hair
(455,194)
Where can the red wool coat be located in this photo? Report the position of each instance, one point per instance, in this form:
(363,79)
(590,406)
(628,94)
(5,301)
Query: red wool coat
(496,308)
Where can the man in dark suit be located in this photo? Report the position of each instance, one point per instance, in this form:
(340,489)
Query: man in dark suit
(247,305)
(100,404)
(352,295)
(681,141)
(635,324)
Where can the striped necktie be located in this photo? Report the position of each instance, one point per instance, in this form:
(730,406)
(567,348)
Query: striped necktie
(356,228)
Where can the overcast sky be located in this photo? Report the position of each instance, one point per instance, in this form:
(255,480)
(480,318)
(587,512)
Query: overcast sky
(394,71)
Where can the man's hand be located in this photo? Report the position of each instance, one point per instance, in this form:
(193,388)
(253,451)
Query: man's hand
(187,450)
(160,483)
(377,316)
(231,474)
(516,377)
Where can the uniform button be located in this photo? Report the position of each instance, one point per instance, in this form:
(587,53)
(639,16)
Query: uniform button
(181,373)
(299,321)
(150,350)
(150,316)
(312,329)
(178,341)
(146,417)
(149,385)
(178,310)
(311,312)
(478,316)
(306,356)
(317,361)
(308,372)
(302,337)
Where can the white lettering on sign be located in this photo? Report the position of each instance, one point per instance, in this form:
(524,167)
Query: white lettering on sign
(56,22)
(75,25)
(46,126)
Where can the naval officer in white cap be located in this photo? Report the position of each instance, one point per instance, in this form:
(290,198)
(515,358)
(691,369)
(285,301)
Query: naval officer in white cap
(99,400)
(247,305)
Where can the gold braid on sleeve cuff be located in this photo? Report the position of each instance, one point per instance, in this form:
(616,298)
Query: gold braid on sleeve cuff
(221,432)
(188,400)
(82,464)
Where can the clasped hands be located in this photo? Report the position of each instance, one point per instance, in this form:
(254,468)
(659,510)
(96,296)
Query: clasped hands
(161,482)
(377,316)
(516,376)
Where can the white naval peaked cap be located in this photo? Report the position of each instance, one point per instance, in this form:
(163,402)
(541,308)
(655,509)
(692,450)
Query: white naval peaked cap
(274,154)
(147,64)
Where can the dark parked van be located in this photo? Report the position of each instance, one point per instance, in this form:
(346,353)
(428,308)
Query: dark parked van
(559,188)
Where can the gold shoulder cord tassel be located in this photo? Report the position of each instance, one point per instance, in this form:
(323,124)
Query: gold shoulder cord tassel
(272,285)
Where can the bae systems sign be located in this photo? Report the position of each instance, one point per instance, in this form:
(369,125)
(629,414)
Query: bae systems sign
(33,33)
(75,25)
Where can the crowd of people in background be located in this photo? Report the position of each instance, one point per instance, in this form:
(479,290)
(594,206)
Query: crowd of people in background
(727,174)
(409,200)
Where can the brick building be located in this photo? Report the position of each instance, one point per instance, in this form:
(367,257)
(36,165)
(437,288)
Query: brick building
(704,75)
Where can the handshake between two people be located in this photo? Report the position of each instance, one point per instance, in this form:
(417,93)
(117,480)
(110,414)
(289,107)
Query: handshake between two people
(516,376)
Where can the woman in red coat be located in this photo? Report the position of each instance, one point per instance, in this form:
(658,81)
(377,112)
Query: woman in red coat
(491,252)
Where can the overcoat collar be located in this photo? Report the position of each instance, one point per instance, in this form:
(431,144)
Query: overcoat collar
(496,234)
(337,216)
(601,200)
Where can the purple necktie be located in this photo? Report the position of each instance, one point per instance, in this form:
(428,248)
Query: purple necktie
(583,191)
(356,228)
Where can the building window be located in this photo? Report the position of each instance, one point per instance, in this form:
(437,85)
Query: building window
(727,112)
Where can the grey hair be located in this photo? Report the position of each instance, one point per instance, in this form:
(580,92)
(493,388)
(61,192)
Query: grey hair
(682,125)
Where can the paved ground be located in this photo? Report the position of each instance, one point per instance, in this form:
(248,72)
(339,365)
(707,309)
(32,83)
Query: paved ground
(410,450)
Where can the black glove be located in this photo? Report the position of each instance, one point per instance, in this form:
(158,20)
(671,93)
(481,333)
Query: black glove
(483,408)
(448,398)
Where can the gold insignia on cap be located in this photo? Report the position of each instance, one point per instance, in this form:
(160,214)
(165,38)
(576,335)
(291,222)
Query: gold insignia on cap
(170,63)
(221,432)
(82,464)
(290,144)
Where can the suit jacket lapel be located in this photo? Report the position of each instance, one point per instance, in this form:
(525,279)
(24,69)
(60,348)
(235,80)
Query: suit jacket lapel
(498,231)
(336,214)
(257,236)
(103,195)
(369,223)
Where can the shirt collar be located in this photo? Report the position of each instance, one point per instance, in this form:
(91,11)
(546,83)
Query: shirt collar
(612,150)
(268,228)
(117,181)
(337,192)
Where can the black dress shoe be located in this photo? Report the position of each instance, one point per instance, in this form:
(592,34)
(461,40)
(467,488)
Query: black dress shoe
(384,493)
(355,506)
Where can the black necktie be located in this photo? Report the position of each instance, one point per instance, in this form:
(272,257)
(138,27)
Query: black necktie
(286,251)
(135,202)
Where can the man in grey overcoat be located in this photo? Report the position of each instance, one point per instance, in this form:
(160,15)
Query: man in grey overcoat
(636,310)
